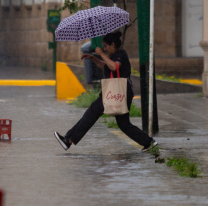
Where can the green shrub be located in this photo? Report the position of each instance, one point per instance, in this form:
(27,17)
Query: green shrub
(82,77)
(44,65)
(85,99)
(134,112)
(184,166)
(155,151)
(111,123)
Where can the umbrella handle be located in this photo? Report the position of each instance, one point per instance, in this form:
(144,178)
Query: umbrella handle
(93,32)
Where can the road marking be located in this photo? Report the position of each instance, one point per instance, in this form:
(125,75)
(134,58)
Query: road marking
(18,82)
(191,81)
(127,139)
(136,97)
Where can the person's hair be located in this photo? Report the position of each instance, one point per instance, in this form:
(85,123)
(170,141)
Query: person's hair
(113,38)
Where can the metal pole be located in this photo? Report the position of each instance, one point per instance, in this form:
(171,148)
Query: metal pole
(93,32)
(96,41)
(54,53)
(151,62)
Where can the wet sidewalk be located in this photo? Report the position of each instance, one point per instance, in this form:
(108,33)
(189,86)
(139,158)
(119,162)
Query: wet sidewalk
(105,168)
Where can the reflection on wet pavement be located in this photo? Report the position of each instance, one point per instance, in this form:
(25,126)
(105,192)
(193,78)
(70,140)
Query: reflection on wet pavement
(103,169)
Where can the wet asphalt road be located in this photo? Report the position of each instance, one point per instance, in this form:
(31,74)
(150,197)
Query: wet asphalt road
(104,168)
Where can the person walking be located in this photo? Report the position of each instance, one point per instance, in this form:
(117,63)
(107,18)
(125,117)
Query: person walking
(115,55)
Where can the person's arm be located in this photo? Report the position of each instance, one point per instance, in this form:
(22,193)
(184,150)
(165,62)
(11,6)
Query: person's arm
(99,63)
(111,64)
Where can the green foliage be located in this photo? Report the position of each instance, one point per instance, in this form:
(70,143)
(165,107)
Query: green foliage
(134,111)
(106,115)
(72,6)
(85,99)
(44,65)
(155,151)
(184,166)
(160,160)
(82,77)
(135,72)
(111,123)
(176,161)
(164,77)
(199,95)
(158,76)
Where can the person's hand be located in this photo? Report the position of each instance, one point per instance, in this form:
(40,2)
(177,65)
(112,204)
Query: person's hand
(99,51)
(86,56)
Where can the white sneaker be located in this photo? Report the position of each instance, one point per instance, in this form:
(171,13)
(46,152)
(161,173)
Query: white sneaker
(151,146)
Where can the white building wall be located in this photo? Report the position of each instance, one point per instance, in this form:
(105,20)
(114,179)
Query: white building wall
(38,1)
(54,1)
(192,28)
(5,3)
(27,2)
(16,2)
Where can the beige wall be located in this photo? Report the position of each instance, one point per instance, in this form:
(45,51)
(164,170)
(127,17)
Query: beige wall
(205,28)
(167,29)
(24,37)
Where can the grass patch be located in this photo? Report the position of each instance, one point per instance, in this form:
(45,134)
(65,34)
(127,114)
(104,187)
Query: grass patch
(106,115)
(164,77)
(155,151)
(111,123)
(82,77)
(85,99)
(199,95)
(158,76)
(44,65)
(135,72)
(134,112)
(184,166)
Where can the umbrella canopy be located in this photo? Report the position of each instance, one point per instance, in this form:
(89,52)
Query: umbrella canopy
(89,23)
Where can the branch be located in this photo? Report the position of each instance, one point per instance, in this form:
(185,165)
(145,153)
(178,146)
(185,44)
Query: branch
(131,23)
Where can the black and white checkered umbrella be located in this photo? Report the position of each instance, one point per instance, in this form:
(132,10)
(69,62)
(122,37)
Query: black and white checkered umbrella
(91,23)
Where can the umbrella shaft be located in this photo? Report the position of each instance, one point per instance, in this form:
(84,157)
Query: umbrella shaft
(93,32)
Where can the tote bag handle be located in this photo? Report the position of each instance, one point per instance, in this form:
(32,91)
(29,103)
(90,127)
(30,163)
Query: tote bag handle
(118,74)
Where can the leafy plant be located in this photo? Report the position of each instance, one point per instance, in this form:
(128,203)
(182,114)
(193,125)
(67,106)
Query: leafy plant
(199,95)
(111,123)
(158,76)
(85,99)
(82,77)
(135,72)
(73,6)
(106,115)
(44,65)
(184,166)
(164,77)
(134,111)
(155,151)
(160,160)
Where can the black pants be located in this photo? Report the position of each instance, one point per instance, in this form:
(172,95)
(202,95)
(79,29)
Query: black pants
(95,111)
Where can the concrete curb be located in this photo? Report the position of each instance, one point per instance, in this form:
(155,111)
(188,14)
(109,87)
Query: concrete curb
(162,86)
(167,87)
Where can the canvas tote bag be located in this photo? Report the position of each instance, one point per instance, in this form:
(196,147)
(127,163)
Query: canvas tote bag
(114,94)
